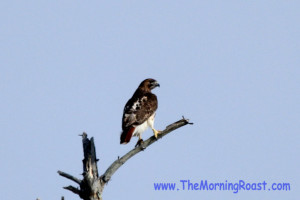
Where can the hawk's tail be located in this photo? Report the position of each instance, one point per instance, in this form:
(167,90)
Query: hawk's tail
(126,135)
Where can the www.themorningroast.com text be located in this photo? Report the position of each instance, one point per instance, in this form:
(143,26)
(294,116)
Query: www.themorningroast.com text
(235,187)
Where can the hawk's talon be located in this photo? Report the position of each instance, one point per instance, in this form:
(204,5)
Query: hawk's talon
(140,143)
(156,132)
(142,147)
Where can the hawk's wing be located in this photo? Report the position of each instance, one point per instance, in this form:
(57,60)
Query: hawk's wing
(138,110)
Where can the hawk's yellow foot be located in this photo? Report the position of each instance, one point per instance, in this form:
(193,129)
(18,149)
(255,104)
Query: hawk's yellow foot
(156,132)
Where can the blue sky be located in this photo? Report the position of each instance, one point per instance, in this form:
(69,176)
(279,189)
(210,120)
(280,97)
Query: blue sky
(231,67)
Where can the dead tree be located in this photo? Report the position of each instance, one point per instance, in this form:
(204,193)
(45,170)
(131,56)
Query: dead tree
(92,185)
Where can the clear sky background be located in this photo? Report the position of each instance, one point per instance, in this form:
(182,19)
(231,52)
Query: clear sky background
(231,67)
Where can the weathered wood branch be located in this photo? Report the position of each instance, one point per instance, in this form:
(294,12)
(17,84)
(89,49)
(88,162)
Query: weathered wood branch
(73,189)
(120,161)
(91,186)
(68,176)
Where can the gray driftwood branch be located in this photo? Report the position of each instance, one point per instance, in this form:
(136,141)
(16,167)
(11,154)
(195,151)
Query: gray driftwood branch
(92,185)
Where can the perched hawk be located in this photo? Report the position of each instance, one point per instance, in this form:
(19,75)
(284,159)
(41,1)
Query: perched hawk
(139,112)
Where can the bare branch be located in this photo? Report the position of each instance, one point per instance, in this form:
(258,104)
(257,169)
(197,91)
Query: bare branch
(68,176)
(73,189)
(120,161)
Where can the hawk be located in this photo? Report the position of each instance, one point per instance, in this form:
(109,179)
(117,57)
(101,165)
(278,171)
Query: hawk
(139,112)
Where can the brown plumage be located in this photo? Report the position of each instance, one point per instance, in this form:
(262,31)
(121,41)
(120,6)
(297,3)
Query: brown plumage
(139,111)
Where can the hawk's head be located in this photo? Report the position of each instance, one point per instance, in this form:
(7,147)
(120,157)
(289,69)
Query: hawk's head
(149,84)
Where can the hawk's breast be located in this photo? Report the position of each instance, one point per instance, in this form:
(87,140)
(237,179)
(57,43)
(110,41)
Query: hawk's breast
(139,129)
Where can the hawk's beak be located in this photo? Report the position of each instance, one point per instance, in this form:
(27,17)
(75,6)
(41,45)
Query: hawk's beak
(156,84)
